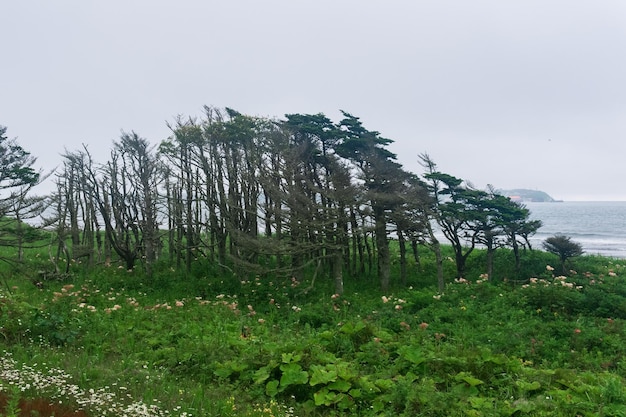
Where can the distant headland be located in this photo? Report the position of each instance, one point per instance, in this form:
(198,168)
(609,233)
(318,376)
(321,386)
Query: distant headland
(524,195)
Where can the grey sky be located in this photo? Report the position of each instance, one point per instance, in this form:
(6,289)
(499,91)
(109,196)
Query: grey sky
(518,94)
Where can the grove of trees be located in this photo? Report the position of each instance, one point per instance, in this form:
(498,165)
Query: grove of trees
(261,197)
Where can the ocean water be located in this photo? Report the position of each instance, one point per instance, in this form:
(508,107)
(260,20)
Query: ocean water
(600,227)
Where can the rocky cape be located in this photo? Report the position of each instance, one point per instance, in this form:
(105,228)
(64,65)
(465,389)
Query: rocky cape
(526,195)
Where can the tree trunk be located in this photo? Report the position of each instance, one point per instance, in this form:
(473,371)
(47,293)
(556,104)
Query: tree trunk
(403,262)
(382,244)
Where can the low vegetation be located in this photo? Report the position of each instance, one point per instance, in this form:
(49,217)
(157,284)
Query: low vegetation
(113,342)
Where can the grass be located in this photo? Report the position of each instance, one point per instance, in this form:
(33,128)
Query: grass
(112,343)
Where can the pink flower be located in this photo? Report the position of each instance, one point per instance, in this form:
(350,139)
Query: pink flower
(577,331)
(423,325)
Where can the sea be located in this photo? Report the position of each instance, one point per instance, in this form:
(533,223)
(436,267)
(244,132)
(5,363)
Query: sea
(600,227)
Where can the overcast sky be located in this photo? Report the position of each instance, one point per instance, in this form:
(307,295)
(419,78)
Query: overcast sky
(518,94)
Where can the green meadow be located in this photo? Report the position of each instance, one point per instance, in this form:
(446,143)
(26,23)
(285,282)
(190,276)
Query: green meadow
(112,342)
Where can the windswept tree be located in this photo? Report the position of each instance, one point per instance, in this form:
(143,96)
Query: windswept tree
(455,213)
(17,179)
(382,180)
(187,178)
(430,210)
(563,247)
(324,183)
(15,229)
(16,170)
(517,227)
(498,221)
(412,222)
(126,196)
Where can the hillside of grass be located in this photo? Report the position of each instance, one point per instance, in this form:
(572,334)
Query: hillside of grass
(113,342)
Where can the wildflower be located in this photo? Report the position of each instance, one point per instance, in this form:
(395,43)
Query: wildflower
(179,303)
(549,268)
(577,331)
(612,274)
(437,297)
(405,325)
(398,307)
(385,299)
(335,296)
(423,325)
(261,321)
(296,309)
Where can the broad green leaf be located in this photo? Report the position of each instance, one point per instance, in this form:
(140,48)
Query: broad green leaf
(345,371)
(223,372)
(291,357)
(292,375)
(412,354)
(468,379)
(340,385)
(271,388)
(384,384)
(262,374)
(367,385)
(322,375)
(528,386)
(355,393)
(324,397)
(343,401)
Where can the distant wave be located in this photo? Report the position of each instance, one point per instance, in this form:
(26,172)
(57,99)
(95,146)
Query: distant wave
(600,227)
